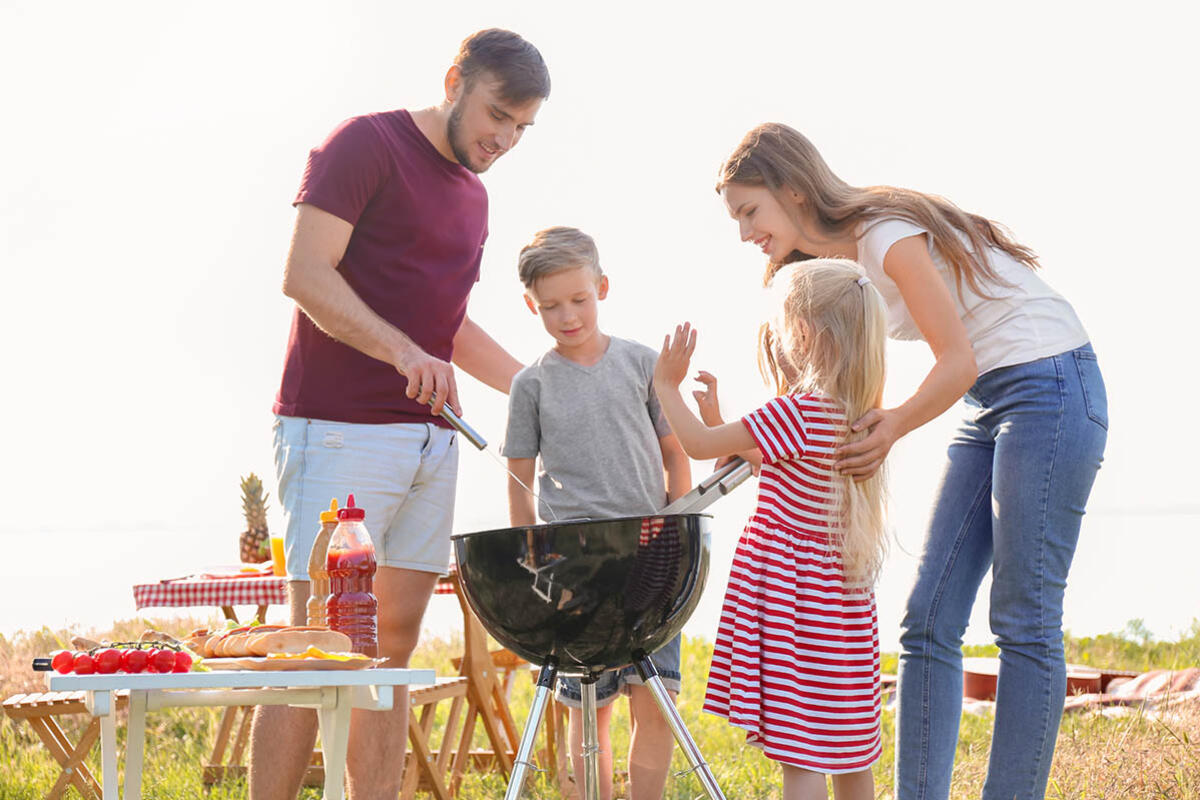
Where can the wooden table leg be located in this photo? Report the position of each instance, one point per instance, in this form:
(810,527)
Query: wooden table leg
(260,614)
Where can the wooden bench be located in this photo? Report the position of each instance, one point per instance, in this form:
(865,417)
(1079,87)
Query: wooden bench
(39,710)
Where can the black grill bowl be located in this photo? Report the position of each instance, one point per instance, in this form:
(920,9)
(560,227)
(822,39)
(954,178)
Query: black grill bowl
(592,594)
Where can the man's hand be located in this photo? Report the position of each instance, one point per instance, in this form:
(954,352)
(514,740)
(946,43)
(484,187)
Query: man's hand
(429,380)
(706,399)
(676,355)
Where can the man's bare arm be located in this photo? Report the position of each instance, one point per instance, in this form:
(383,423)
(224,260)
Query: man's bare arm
(311,279)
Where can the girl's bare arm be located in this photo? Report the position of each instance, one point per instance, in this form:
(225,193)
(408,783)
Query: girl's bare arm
(697,439)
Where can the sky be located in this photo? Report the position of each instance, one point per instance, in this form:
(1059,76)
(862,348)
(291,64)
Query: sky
(153,150)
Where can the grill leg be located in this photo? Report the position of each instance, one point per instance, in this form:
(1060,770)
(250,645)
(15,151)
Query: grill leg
(653,682)
(523,761)
(591,741)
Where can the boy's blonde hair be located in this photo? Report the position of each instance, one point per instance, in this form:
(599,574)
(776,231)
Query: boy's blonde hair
(840,354)
(555,249)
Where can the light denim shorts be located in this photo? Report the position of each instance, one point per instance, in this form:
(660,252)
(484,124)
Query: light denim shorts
(616,682)
(403,475)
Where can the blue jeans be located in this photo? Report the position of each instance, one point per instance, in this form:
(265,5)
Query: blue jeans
(1020,469)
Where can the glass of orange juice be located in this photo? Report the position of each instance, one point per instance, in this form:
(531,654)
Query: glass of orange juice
(278,565)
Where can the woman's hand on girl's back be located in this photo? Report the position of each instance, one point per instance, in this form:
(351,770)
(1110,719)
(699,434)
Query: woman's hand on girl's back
(863,458)
(675,356)
(706,399)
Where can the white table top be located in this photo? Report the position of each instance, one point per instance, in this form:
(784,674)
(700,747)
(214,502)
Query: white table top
(236,679)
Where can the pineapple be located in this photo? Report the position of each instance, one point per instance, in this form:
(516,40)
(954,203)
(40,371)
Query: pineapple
(255,541)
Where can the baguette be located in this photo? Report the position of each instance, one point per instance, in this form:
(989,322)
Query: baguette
(234,645)
(210,644)
(256,636)
(196,640)
(297,641)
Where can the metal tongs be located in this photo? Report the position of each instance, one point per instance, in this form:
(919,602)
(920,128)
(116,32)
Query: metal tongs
(712,488)
(707,492)
(466,430)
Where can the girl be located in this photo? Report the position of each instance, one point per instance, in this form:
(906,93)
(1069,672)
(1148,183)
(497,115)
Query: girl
(796,661)
(1020,467)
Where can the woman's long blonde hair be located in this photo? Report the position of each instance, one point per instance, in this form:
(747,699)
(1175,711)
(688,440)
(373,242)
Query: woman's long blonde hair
(838,351)
(781,159)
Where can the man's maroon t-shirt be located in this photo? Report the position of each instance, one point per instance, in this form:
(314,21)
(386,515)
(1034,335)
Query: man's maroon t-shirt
(420,222)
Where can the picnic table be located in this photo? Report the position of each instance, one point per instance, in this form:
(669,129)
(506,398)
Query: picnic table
(333,693)
(477,695)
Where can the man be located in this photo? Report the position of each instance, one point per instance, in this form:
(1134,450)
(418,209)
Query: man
(391,220)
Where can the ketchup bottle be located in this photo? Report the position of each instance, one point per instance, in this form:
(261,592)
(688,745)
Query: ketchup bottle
(350,561)
(318,575)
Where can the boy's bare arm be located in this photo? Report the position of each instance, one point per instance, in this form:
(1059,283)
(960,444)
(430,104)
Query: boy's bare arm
(482,357)
(522,509)
(676,466)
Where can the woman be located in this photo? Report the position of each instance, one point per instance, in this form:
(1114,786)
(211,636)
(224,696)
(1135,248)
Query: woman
(1020,466)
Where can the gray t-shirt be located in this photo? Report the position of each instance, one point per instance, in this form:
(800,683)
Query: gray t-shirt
(596,430)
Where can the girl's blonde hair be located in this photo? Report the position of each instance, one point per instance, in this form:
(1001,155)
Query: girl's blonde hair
(828,336)
(780,158)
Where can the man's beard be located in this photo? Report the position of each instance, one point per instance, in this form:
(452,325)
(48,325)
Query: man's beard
(453,132)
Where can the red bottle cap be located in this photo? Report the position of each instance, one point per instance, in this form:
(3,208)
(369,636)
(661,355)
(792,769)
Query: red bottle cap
(351,511)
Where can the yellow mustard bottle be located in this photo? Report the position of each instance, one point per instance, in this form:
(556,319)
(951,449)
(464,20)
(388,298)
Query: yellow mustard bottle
(318,575)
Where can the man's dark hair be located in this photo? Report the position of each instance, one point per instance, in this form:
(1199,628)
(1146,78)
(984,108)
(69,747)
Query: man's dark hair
(514,62)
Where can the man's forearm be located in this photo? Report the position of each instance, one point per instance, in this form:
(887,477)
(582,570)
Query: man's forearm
(311,278)
(327,299)
(482,357)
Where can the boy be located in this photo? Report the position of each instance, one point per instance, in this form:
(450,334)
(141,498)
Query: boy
(592,394)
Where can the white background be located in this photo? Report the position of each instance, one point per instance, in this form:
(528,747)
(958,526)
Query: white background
(151,152)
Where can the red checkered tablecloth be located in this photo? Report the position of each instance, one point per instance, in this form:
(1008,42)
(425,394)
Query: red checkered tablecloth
(257,591)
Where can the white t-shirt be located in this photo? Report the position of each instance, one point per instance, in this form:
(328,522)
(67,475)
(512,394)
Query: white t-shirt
(1023,323)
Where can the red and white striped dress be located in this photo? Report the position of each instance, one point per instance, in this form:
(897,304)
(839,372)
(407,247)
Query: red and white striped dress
(796,661)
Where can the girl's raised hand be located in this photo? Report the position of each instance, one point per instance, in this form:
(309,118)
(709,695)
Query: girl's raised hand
(706,399)
(676,355)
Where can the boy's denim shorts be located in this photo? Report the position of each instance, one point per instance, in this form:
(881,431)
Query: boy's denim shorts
(616,682)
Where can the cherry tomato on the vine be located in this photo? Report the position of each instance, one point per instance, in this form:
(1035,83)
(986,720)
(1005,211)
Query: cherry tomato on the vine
(62,661)
(183,662)
(108,660)
(84,664)
(162,660)
(134,660)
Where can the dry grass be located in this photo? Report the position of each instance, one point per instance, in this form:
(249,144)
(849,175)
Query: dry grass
(1122,754)
(1117,754)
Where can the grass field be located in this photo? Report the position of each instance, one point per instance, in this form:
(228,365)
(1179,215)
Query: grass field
(1125,755)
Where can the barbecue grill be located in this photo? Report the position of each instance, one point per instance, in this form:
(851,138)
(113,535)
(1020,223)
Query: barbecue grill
(579,597)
